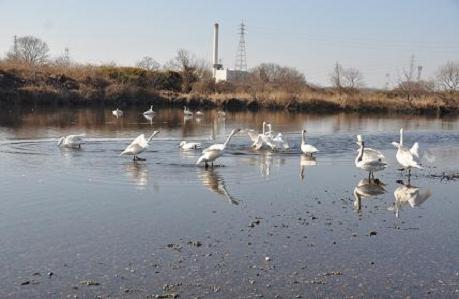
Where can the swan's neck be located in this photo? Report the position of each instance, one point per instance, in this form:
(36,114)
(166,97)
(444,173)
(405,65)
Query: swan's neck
(228,139)
(360,155)
(401,138)
(302,138)
(151,137)
(264,128)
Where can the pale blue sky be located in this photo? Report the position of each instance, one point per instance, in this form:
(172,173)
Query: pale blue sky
(377,36)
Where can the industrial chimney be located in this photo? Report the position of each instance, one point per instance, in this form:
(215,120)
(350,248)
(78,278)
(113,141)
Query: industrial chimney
(215,64)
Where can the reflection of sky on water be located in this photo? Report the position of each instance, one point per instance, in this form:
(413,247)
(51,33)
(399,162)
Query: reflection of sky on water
(99,213)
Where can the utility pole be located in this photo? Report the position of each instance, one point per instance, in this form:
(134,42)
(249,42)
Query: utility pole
(15,47)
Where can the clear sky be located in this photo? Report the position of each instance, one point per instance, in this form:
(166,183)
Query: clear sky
(377,37)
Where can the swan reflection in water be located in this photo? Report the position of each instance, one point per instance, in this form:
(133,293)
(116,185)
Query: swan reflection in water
(215,183)
(407,194)
(187,118)
(264,160)
(306,161)
(367,188)
(137,173)
(149,117)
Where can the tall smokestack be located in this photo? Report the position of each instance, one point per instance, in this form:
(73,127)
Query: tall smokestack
(215,60)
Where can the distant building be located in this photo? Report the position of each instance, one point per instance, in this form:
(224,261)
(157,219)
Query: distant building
(219,72)
(229,75)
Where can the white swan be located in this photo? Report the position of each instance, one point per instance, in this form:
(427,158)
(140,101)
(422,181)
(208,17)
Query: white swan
(276,142)
(117,113)
(71,141)
(188,146)
(408,158)
(187,112)
(138,145)
(368,162)
(307,149)
(221,113)
(214,151)
(369,153)
(407,194)
(280,143)
(150,111)
(258,139)
(199,113)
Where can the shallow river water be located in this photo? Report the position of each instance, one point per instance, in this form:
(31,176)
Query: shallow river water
(90,223)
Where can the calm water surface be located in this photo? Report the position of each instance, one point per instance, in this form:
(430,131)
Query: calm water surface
(258,224)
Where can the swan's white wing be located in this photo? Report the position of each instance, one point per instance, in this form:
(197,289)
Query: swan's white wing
(217,146)
(268,140)
(372,154)
(415,150)
(308,149)
(253,135)
(136,146)
(133,149)
(280,142)
(74,138)
(258,143)
(209,155)
(406,158)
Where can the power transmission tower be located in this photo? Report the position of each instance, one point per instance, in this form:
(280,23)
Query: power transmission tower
(419,73)
(241,59)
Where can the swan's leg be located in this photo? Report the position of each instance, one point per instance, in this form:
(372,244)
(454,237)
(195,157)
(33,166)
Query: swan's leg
(369,177)
(206,165)
(135,158)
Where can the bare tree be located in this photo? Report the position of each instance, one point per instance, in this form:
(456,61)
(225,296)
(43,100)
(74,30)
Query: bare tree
(353,78)
(277,76)
(29,49)
(191,68)
(148,63)
(336,77)
(448,76)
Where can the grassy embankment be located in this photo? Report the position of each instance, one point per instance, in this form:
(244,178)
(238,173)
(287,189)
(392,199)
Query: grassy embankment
(126,86)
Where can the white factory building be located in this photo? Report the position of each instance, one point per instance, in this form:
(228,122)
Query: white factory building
(219,72)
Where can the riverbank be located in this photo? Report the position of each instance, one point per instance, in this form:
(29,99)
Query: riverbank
(124,87)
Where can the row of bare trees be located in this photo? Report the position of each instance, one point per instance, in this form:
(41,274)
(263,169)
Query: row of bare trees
(34,51)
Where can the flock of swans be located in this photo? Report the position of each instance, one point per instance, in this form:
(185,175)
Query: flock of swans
(367,159)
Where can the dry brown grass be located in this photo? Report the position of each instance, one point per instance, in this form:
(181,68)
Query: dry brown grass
(115,85)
